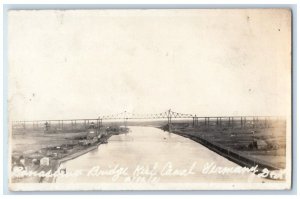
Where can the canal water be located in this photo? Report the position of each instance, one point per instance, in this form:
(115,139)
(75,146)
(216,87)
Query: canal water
(150,155)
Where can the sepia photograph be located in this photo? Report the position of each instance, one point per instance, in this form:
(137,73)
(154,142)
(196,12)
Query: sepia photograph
(149,99)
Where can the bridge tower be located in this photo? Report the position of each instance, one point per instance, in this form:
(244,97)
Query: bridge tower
(195,121)
(169,119)
(125,119)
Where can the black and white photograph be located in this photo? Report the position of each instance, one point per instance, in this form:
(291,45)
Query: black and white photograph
(149,99)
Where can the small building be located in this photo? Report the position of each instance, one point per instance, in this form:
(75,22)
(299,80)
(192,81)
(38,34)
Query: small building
(261,144)
(91,133)
(45,161)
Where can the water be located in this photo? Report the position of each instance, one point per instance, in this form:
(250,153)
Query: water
(150,155)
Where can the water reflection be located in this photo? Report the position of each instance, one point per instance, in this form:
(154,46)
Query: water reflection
(151,155)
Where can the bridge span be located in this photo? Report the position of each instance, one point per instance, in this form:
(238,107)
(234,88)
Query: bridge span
(169,116)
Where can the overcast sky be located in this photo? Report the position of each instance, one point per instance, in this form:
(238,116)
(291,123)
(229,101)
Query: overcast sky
(82,64)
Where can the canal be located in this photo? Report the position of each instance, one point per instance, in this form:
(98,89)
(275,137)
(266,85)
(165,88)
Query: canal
(151,156)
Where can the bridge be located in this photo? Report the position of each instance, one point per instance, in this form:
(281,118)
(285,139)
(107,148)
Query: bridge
(132,116)
(169,115)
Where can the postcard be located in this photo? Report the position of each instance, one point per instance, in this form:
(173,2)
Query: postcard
(149,99)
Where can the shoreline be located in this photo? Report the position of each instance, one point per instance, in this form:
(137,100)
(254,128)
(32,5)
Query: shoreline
(234,156)
(54,164)
(79,153)
(73,156)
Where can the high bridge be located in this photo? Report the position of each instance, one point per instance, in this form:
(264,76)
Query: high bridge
(169,116)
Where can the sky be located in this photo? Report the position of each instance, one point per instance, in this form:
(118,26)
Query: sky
(88,63)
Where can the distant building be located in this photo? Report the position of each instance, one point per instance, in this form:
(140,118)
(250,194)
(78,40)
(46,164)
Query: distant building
(45,161)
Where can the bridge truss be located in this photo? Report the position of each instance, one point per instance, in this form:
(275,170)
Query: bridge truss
(244,121)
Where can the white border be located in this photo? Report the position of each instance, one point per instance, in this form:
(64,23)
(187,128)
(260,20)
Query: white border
(245,2)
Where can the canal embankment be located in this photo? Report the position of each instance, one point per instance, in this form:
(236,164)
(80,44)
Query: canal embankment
(48,158)
(239,146)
